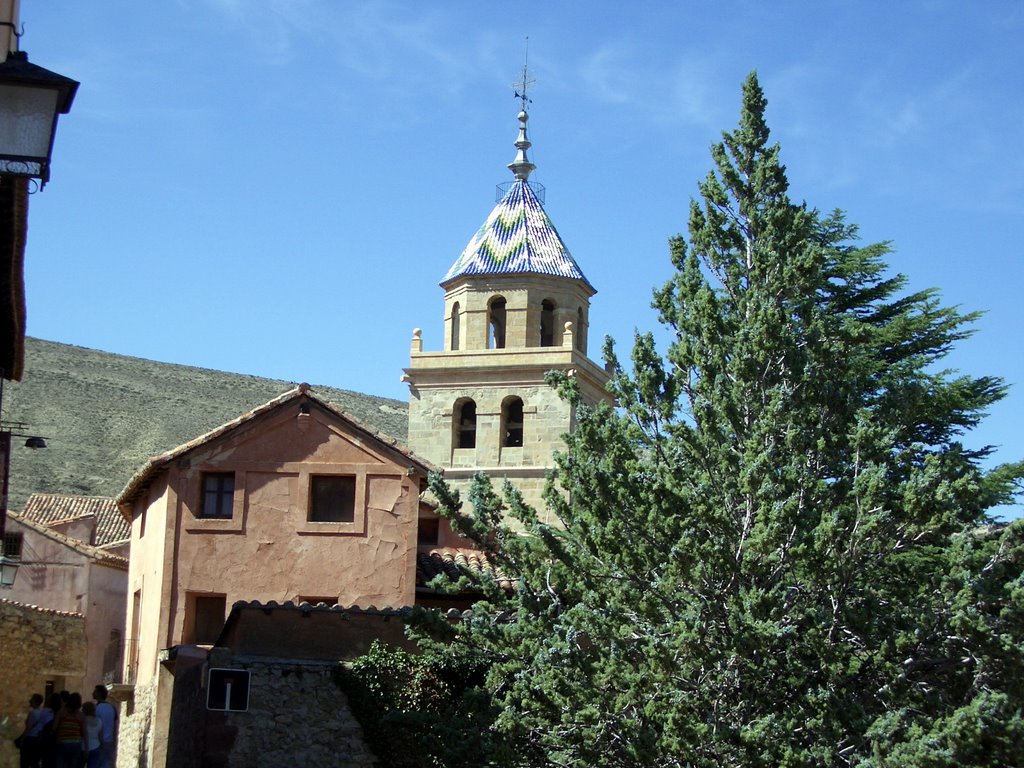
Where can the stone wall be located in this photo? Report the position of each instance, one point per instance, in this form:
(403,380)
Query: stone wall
(134,733)
(297,716)
(187,730)
(546,418)
(36,645)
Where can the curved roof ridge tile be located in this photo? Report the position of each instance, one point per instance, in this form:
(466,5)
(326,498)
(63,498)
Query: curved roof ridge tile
(40,609)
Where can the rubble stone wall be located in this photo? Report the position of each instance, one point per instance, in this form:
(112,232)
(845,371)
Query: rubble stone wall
(297,716)
(134,734)
(36,645)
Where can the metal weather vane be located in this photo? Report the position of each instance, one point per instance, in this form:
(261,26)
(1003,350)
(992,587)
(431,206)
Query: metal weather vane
(522,85)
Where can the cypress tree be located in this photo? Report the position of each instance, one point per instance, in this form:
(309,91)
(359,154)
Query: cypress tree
(774,549)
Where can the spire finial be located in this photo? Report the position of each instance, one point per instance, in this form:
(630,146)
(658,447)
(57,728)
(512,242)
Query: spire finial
(521,166)
(522,85)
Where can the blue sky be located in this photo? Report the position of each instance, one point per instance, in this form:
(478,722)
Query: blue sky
(276,187)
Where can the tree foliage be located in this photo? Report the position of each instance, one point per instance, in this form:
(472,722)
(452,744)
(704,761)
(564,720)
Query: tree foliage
(773,550)
(419,709)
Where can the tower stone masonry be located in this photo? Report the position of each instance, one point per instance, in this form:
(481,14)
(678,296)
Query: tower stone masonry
(516,306)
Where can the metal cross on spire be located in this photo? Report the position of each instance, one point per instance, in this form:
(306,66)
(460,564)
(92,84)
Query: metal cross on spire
(522,85)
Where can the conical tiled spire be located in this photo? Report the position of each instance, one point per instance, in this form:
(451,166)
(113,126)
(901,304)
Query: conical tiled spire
(518,237)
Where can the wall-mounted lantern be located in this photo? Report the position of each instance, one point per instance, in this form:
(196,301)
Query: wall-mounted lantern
(31,99)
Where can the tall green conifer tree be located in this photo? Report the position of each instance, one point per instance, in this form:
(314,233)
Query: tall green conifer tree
(774,550)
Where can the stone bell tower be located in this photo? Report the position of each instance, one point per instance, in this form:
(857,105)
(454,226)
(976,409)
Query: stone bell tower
(516,305)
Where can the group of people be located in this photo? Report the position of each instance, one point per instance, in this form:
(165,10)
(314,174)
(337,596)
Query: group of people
(69,733)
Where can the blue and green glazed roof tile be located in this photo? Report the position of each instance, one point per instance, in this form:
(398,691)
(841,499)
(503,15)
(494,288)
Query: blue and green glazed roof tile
(517,238)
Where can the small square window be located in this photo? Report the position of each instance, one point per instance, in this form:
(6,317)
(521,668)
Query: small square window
(208,617)
(218,494)
(332,499)
(429,529)
(12,544)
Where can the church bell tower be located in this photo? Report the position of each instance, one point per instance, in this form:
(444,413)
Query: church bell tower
(516,305)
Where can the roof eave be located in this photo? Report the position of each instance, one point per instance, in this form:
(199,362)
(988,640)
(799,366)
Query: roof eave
(448,283)
(145,475)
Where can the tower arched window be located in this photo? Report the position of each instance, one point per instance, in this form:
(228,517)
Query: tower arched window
(496,323)
(456,319)
(465,424)
(579,330)
(512,422)
(547,323)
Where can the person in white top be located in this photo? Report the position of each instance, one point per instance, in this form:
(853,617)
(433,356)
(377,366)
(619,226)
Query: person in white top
(107,714)
(38,717)
(93,732)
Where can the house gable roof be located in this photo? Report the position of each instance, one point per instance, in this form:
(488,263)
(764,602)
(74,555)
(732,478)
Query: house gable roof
(142,478)
(100,556)
(51,509)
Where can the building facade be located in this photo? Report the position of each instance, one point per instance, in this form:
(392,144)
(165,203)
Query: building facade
(62,568)
(292,502)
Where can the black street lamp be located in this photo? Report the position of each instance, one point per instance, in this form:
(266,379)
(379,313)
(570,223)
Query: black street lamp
(31,99)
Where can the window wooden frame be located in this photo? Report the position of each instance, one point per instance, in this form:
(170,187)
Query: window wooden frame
(14,541)
(206,614)
(217,495)
(332,499)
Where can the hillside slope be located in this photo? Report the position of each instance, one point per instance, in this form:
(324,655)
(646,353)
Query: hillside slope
(103,414)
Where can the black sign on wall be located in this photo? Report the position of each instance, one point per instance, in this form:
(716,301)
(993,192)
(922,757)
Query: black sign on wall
(228,690)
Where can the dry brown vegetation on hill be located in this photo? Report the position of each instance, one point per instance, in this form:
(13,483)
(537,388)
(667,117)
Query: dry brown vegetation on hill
(103,414)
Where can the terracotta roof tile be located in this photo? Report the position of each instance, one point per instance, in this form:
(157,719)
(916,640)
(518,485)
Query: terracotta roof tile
(51,508)
(305,607)
(38,609)
(454,563)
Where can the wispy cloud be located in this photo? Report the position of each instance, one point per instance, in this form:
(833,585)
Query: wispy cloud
(611,75)
(686,90)
(402,45)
